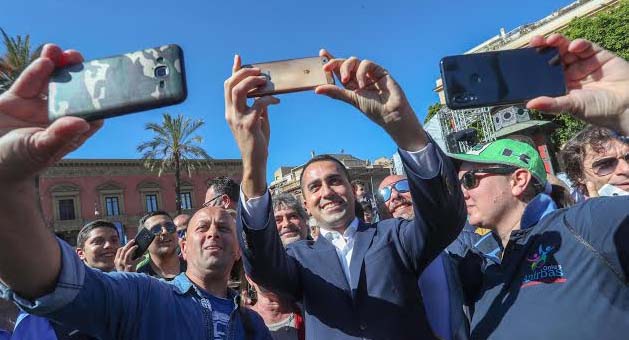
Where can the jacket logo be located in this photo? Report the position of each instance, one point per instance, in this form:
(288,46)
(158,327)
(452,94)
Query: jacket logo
(542,268)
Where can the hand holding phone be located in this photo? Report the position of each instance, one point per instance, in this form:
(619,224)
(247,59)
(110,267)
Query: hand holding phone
(114,86)
(143,240)
(291,75)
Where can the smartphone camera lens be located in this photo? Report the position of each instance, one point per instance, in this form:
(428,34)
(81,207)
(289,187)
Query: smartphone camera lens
(161,71)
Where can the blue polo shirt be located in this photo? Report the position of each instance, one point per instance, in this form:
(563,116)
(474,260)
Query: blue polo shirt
(135,306)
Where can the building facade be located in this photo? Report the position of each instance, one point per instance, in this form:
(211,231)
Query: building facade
(76,191)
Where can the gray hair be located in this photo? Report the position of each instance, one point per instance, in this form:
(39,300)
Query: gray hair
(288,201)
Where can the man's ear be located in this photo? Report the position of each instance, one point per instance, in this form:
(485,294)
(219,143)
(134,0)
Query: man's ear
(183,248)
(81,253)
(520,180)
(226,201)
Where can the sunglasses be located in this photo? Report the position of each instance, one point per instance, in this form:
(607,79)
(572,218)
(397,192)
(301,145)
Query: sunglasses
(169,226)
(606,166)
(469,179)
(181,233)
(400,186)
(209,203)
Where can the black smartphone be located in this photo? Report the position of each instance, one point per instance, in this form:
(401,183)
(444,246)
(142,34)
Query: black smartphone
(143,241)
(118,85)
(501,77)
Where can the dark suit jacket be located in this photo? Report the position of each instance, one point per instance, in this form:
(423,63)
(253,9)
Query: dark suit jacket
(382,301)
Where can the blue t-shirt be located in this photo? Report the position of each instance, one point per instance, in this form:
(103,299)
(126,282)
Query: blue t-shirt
(221,310)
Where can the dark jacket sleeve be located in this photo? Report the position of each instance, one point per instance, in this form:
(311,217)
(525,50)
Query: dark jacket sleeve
(265,260)
(603,222)
(439,212)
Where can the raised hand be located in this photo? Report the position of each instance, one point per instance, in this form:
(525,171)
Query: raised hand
(27,146)
(597,81)
(371,89)
(124,261)
(249,124)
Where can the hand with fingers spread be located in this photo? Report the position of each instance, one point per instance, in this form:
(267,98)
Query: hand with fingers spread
(249,125)
(597,81)
(27,144)
(124,260)
(371,89)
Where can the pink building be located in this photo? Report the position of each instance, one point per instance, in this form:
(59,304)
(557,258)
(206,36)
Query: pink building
(76,191)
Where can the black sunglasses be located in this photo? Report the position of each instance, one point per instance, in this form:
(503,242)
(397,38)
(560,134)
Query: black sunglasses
(181,233)
(400,186)
(209,202)
(169,226)
(469,181)
(606,166)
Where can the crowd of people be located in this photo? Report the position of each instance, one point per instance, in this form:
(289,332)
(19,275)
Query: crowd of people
(479,245)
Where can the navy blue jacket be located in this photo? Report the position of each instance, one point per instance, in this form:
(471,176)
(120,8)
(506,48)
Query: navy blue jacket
(564,275)
(383,300)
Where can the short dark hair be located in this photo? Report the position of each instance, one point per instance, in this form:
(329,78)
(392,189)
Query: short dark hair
(289,201)
(366,205)
(151,214)
(573,154)
(224,185)
(323,158)
(84,234)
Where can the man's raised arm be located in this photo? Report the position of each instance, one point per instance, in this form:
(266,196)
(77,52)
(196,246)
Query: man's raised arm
(28,145)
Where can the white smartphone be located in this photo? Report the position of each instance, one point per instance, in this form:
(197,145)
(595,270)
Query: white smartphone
(610,190)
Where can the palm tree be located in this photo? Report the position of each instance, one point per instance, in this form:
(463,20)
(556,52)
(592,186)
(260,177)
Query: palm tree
(18,55)
(173,146)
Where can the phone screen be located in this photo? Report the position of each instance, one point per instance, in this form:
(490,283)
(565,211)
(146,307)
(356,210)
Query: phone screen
(502,77)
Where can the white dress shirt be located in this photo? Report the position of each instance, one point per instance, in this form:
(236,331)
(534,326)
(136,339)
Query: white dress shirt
(344,245)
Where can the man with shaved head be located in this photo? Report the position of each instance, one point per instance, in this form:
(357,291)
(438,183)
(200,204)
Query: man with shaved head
(396,196)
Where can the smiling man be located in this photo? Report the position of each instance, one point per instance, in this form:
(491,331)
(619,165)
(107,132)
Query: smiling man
(97,244)
(163,263)
(396,195)
(290,218)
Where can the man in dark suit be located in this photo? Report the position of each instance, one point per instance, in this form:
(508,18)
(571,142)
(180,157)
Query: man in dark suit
(357,280)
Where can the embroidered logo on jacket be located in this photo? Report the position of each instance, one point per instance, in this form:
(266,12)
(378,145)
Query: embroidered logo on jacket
(542,267)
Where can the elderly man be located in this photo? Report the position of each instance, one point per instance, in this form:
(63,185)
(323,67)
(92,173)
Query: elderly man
(53,281)
(290,218)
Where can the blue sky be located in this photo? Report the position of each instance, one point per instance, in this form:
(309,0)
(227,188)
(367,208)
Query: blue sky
(406,37)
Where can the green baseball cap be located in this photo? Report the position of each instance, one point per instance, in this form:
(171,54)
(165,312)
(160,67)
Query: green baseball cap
(507,152)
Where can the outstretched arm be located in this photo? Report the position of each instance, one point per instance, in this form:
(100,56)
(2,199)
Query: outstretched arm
(28,145)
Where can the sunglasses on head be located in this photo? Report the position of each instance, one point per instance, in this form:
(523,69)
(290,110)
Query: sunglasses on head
(400,186)
(210,201)
(169,226)
(607,165)
(469,179)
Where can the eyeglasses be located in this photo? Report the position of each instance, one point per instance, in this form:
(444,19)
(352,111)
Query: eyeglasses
(400,186)
(606,166)
(209,203)
(181,233)
(469,181)
(169,226)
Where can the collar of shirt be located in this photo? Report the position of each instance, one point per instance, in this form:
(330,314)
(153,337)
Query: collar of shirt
(183,285)
(341,241)
(537,208)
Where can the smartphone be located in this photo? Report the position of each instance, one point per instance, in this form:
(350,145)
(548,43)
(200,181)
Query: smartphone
(292,75)
(143,241)
(118,85)
(501,77)
(610,190)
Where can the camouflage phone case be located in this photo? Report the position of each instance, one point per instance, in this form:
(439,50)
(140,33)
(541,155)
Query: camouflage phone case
(118,85)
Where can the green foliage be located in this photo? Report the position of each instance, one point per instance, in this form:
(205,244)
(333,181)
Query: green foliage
(432,111)
(609,29)
(174,147)
(17,57)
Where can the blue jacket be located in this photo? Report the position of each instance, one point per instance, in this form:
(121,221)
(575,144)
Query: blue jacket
(382,301)
(564,275)
(133,306)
